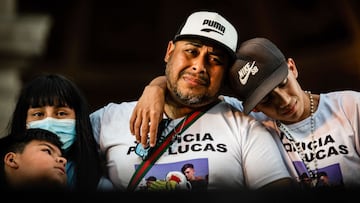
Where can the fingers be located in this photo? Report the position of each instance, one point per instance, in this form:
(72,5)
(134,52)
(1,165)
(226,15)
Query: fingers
(144,123)
(155,119)
(147,115)
(144,128)
(139,125)
(149,128)
(132,121)
(135,123)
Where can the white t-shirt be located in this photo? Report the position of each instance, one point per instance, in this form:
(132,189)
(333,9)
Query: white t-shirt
(337,145)
(228,149)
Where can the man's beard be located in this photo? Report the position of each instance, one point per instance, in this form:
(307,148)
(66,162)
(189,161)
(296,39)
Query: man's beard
(191,100)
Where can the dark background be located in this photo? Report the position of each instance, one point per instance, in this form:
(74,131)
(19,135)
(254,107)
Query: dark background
(113,48)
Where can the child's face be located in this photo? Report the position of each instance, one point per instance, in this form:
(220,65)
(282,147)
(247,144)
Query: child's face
(41,161)
(40,113)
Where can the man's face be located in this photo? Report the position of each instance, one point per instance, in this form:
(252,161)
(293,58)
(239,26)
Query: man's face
(195,71)
(189,173)
(286,102)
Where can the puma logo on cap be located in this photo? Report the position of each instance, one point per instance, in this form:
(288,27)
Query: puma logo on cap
(219,28)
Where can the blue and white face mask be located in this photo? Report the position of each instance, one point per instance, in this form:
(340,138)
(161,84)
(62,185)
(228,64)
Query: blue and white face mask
(64,128)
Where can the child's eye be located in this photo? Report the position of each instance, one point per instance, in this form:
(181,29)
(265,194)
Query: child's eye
(47,151)
(38,114)
(62,113)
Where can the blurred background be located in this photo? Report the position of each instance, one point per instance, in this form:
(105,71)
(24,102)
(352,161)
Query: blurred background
(113,48)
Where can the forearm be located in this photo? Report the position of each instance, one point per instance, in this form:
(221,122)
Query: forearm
(159,81)
(149,109)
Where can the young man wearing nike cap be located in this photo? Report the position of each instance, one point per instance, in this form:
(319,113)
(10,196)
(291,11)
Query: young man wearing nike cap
(318,132)
(233,150)
(315,133)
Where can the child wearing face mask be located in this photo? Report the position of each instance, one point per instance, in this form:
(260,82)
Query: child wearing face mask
(64,128)
(54,103)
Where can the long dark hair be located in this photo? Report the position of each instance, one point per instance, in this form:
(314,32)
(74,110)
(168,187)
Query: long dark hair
(55,89)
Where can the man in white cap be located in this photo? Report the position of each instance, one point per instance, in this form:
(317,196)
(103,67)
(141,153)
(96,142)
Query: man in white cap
(234,151)
(316,133)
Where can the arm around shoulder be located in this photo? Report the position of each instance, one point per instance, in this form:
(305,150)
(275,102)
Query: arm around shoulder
(149,110)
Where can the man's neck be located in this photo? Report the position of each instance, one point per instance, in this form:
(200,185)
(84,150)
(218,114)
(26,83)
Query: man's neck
(176,110)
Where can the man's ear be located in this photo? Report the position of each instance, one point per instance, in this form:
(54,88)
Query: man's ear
(255,110)
(169,51)
(10,160)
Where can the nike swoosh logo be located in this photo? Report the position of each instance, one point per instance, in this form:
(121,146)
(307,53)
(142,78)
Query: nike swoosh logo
(245,72)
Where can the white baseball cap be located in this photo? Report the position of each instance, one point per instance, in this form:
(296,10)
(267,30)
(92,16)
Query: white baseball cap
(211,26)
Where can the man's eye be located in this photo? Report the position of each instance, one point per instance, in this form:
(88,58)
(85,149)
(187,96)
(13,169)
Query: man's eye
(283,83)
(217,60)
(191,51)
(265,100)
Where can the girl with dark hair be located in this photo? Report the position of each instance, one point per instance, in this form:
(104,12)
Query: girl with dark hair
(55,103)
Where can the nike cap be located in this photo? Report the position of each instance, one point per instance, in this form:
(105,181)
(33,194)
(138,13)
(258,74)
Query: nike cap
(259,68)
(211,26)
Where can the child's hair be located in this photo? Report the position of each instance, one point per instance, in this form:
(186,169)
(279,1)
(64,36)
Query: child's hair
(57,90)
(18,143)
(48,90)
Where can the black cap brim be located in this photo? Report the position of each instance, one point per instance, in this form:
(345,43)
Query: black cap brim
(265,87)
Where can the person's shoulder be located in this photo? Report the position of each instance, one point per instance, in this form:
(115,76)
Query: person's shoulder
(223,106)
(347,101)
(120,105)
(113,108)
(233,101)
(231,112)
(342,95)
(124,104)
(119,109)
